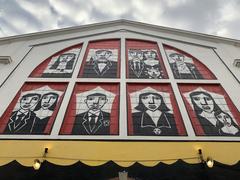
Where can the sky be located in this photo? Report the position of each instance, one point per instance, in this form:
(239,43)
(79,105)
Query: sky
(215,17)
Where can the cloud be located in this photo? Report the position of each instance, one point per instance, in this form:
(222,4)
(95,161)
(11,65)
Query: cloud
(217,17)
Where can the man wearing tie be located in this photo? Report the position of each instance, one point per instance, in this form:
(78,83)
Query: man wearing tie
(94,121)
(135,63)
(23,120)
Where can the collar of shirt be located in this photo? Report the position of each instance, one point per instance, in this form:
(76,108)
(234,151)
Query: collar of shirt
(20,112)
(155,115)
(210,117)
(96,113)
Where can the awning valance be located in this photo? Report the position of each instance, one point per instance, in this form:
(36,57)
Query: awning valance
(123,153)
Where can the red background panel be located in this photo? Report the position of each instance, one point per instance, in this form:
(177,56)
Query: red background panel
(205,72)
(38,71)
(163,87)
(215,88)
(102,44)
(28,87)
(71,110)
(141,44)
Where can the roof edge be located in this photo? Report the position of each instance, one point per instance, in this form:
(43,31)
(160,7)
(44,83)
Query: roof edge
(122,22)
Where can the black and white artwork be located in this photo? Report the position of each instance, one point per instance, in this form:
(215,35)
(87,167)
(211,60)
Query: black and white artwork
(33,110)
(101,63)
(152,113)
(144,64)
(62,65)
(213,113)
(183,67)
(93,112)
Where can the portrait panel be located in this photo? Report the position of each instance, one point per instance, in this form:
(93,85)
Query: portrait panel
(93,110)
(185,66)
(153,111)
(144,60)
(33,110)
(60,65)
(210,109)
(101,60)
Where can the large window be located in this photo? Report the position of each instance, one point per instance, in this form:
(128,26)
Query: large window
(140,90)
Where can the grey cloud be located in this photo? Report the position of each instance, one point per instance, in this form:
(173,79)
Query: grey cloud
(13,12)
(65,21)
(197,15)
(200,16)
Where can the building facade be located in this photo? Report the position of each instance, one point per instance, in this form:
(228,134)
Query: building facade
(119,95)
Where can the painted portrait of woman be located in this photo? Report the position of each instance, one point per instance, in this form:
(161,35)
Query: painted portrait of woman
(212,118)
(44,110)
(153,118)
(34,109)
(153,111)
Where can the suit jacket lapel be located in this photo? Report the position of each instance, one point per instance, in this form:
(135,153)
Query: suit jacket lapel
(11,121)
(163,121)
(85,123)
(106,68)
(146,120)
(23,122)
(96,69)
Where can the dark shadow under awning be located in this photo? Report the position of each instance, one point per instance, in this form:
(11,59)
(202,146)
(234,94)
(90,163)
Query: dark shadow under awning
(179,170)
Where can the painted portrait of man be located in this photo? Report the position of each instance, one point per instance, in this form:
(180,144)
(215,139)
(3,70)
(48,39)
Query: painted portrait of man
(93,110)
(183,69)
(101,63)
(33,111)
(212,112)
(135,63)
(95,120)
(152,114)
(23,120)
(186,66)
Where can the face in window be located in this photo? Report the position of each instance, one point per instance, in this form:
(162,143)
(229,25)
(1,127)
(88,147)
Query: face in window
(152,68)
(48,100)
(204,102)
(28,101)
(150,54)
(151,101)
(66,57)
(225,119)
(136,54)
(95,102)
(177,57)
(102,56)
(153,71)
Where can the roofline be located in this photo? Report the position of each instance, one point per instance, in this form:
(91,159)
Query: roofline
(121,22)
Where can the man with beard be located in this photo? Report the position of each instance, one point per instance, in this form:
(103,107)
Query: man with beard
(94,121)
(100,66)
(22,121)
(153,118)
(135,63)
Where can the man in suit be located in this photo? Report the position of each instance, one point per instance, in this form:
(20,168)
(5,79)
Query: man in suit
(94,121)
(135,63)
(100,65)
(23,120)
(62,67)
(182,69)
